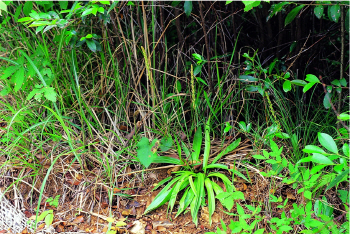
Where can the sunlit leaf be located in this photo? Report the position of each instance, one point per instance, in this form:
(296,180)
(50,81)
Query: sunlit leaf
(327,142)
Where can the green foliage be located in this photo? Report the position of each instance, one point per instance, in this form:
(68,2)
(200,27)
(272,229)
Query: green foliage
(194,184)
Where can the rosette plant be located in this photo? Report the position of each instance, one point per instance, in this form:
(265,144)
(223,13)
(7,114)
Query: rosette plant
(198,186)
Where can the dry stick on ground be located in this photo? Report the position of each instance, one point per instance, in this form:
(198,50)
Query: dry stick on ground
(330,102)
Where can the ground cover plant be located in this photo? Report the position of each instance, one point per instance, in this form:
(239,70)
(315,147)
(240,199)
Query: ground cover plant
(187,117)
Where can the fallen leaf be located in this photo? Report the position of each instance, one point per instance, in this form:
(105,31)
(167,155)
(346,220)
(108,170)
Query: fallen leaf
(25,230)
(78,219)
(290,195)
(161,229)
(138,228)
(110,219)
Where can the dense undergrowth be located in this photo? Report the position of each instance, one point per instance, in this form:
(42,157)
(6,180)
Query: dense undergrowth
(89,88)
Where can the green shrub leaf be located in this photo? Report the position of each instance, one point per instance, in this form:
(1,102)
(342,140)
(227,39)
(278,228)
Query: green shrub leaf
(318,11)
(327,142)
(145,152)
(292,14)
(337,179)
(287,86)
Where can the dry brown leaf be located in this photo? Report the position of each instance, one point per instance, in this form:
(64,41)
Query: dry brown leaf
(78,219)
(290,195)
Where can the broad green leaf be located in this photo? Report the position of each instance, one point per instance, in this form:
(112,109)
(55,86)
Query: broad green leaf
(327,142)
(344,116)
(313,149)
(211,198)
(146,152)
(160,200)
(197,144)
(317,158)
(317,168)
(197,69)
(161,183)
(49,219)
(91,44)
(63,4)
(287,86)
(238,195)
(308,194)
(337,179)
(308,86)
(19,79)
(343,82)
(188,7)
(44,214)
(312,78)
(259,231)
(299,82)
(327,101)
(9,71)
(292,14)
(346,150)
(38,29)
(250,4)
(242,125)
(246,78)
(335,82)
(335,12)
(228,2)
(217,189)
(50,94)
(166,143)
(87,12)
(24,19)
(318,11)
(27,8)
(258,156)
(251,88)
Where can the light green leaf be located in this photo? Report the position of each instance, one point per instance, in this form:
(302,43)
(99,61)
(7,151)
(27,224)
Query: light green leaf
(308,195)
(287,86)
(308,86)
(327,142)
(166,143)
(49,219)
(44,214)
(146,152)
(312,78)
(229,148)
(9,71)
(313,149)
(250,4)
(197,144)
(317,158)
(211,198)
(346,150)
(344,116)
(207,145)
(292,14)
(246,78)
(19,79)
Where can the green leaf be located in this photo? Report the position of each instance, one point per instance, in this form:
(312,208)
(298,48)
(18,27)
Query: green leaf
(87,12)
(188,7)
(312,78)
(50,94)
(211,198)
(292,14)
(344,116)
(19,79)
(251,88)
(337,179)
(287,86)
(299,82)
(27,8)
(49,219)
(313,149)
(317,158)
(215,165)
(146,152)
(335,12)
(259,231)
(246,78)
(243,126)
(44,214)
(327,142)
(346,150)
(170,160)
(343,82)
(197,69)
(197,144)
(335,82)
(250,4)
(318,11)
(258,156)
(63,4)
(327,101)
(24,19)
(308,86)
(308,195)
(228,2)
(91,44)
(166,143)
(9,71)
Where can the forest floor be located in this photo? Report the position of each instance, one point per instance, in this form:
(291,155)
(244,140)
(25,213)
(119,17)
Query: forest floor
(84,204)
